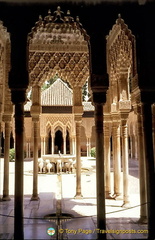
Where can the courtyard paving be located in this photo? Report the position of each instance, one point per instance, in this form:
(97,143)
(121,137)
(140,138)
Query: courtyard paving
(79,221)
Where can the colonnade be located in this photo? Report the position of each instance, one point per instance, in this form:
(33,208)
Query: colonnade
(143,104)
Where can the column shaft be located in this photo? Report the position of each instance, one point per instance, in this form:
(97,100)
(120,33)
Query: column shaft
(52,144)
(78,160)
(87,145)
(153,126)
(35,160)
(142,166)
(19,158)
(29,148)
(117,160)
(107,151)
(150,168)
(101,220)
(125,163)
(64,146)
(73,145)
(6,163)
(42,146)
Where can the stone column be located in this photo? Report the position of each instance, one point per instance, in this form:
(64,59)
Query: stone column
(0,137)
(35,121)
(107,157)
(78,158)
(142,166)
(99,87)
(78,111)
(153,125)
(116,159)
(7,120)
(101,221)
(35,113)
(125,162)
(131,146)
(87,145)
(42,146)
(29,148)
(73,145)
(64,141)
(19,158)
(53,143)
(136,146)
(70,145)
(150,165)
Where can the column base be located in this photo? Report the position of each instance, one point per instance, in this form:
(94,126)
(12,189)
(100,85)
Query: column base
(143,220)
(108,195)
(117,196)
(6,198)
(126,204)
(34,198)
(78,196)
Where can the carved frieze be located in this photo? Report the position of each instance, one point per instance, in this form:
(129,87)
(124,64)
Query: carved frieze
(58,44)
(124,105)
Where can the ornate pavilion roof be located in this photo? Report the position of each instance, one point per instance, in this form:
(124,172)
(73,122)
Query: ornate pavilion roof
(58,44)
(58,94)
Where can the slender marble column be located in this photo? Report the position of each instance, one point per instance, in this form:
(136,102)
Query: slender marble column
(136,153)
(6,162)
(42,146)
(87,145)
(73,145)
(78,160)
(153,126)
(117,160)
(101,220)
(52,144)
(35,158)
(125,163)
(142,165)
(64,146)
(70,145)
(150,167)
(107,151)
(19,159)
(131,146)
(27,147)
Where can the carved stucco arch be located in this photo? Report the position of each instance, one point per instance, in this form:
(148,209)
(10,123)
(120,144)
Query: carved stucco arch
(59,126)
(5,96)
(121,60)
(58,44)
(48,127)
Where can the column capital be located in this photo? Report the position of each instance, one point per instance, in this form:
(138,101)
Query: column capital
(18,95)
(7,117)
(35,118)
(35,110)
(124,116)
(78,112)
(99,87)
(115,118)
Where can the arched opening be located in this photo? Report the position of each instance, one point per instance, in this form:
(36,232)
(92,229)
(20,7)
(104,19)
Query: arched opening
(11,141)
(58,142)
(49,143)
(2,144)
(67,143)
